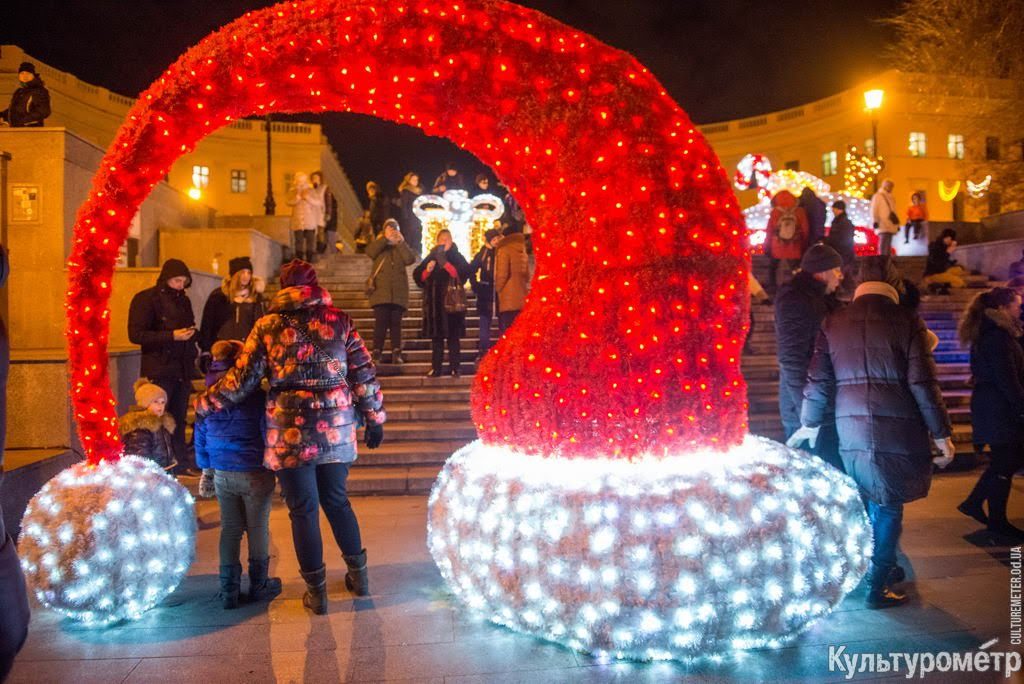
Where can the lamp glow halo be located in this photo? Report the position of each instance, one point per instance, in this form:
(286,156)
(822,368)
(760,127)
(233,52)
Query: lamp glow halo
(107,542)
(681,557)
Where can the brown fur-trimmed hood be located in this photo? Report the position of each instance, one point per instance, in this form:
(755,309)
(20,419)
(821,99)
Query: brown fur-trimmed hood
(140,419)
(1007,323)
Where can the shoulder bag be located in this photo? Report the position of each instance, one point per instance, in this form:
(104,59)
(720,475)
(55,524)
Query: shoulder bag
(371,282)
(332,363)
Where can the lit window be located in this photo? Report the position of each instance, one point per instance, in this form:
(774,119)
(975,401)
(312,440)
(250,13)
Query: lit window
(918,144)
(992,148)
(869,147)
(955,146)
(239,181)
(201,177)
(829,163)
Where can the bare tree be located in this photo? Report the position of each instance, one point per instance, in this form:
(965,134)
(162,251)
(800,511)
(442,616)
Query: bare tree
(970,53)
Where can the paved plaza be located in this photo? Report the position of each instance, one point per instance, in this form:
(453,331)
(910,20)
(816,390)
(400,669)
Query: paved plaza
(410,630)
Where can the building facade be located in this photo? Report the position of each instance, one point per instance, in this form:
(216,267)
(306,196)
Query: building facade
(228,169)
(930,133)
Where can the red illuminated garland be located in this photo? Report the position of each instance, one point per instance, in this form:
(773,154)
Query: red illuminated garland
(630,341)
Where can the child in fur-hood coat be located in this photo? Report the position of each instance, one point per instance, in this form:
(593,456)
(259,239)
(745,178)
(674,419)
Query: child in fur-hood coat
(147,429)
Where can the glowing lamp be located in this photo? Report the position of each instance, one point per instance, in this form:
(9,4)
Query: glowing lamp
(195,193)
(873,99)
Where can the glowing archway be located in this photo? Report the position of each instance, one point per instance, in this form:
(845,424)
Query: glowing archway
(631,338)
(627,351)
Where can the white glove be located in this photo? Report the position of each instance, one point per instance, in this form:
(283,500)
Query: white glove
(804,434)
(948,451)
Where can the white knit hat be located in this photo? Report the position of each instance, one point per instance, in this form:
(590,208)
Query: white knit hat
(146,392)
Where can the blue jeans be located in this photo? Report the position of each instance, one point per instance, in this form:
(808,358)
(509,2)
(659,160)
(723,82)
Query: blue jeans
(305,489)
(887,521)
(245,499)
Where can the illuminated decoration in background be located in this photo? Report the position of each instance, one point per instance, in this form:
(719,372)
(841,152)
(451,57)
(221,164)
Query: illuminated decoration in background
(858,210)
(487,209)
(753,171)
(195,193)
(432,211)
(795,182)
(947,193)
(861,172)
(617,355)
(103,543)
(679,557)
(978,190)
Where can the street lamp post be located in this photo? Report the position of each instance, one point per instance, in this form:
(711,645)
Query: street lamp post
(872,103)
(269,206)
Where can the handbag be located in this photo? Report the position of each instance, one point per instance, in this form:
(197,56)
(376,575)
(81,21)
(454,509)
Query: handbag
(455,300)
(371,282)
(332,363)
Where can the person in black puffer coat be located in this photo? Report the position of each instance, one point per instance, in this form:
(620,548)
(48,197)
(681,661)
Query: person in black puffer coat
(229,449)
(161,321)
(800,307)
(443,267)
(232,309)
(873,367)
(992,328)
(30,103)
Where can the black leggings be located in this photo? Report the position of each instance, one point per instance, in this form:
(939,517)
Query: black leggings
(454,352)
(1007,459)
(387,317)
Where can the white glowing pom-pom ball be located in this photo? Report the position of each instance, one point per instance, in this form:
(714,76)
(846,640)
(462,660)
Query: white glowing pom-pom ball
(106,543)
(682,557)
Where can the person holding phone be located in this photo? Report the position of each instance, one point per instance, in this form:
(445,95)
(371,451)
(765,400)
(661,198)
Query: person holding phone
(160,320)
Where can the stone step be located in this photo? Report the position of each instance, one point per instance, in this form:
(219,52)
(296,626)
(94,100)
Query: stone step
(427,410)
(430,431)
(407,453)
(392,480)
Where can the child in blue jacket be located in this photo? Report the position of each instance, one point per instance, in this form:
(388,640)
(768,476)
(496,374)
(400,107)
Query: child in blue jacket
(229,449)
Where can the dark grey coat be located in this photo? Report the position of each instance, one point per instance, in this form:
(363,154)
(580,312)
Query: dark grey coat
(872,362)
(392,281)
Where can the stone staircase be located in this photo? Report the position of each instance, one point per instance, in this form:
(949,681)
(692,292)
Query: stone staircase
(429,419)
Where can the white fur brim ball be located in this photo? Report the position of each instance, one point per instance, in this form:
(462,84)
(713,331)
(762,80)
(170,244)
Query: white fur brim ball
(107,542)
(678,557)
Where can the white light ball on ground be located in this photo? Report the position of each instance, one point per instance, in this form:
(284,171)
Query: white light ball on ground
(680,557)
(106,543)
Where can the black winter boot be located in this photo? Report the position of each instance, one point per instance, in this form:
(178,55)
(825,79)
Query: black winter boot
(315,597)
(999,494)
(261,587)
(230,585)
(357,579)
(880,594)
(973,504)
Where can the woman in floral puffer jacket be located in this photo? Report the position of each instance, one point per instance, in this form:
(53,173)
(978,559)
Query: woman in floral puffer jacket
(322,383)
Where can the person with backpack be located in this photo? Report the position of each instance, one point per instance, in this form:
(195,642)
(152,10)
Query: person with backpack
(788,232)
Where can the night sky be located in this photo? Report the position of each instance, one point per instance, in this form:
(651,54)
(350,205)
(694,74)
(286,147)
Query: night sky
(720,59)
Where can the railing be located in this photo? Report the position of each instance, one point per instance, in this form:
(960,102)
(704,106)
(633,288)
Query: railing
(756,121)
(791,114)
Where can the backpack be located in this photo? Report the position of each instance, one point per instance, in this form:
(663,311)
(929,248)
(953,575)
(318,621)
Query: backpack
(786,228)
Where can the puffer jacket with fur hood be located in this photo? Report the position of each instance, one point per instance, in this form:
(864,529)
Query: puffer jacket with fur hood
(311,407)
(997,366)
(148,435)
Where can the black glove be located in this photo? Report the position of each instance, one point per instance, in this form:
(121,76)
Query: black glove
(374,436)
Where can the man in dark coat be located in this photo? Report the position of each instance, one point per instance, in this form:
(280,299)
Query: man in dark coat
(841,232)
(30,103)
(873,366)
(14,617)
(160,320)
(442,268)
(941,271)
(481,279)
(815,210)
(800,307)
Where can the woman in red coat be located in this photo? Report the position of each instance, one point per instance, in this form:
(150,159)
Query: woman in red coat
(788,232)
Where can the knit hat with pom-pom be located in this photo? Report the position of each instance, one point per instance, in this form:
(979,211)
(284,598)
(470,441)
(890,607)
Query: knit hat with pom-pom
(146,392)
